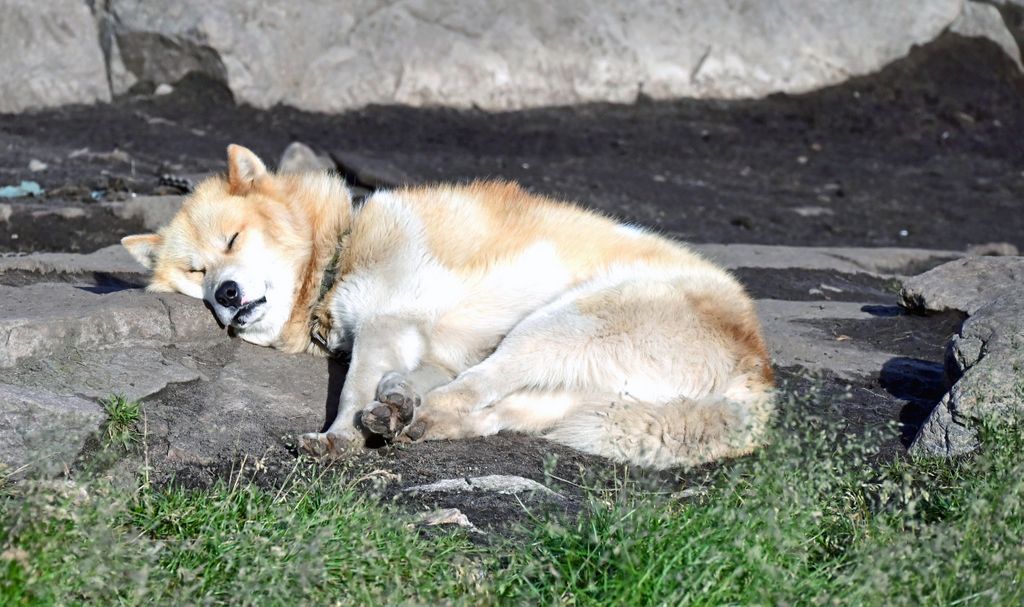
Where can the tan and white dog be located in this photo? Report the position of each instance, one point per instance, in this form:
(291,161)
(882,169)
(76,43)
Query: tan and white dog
(471,309)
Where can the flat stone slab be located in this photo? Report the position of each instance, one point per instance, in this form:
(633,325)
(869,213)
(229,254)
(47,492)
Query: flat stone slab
(135,372)
(51,319)
(108,260)
(794,339)
(878,260)
(495,483)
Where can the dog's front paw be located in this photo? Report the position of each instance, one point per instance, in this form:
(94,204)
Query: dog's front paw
(394,408)
(328,444)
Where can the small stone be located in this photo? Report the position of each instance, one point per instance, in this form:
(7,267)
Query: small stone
(163,89)
(812,211)
(35,165)
(447,516)
(300,158)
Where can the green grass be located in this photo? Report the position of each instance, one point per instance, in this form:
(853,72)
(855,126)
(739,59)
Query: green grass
(122,425)
(811,520)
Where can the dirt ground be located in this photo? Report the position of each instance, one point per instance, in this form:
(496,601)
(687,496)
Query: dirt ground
(928,153)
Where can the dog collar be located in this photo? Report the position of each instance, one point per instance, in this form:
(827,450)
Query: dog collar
(318,331)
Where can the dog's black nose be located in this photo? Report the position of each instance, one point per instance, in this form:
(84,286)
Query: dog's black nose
(229,294)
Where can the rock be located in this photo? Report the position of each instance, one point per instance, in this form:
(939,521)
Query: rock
(981,20)
(163,89)
(153,211)
(253,401)
(300,158)
(337,57)
(796,338)
(496,483)
(966,284)
(812,211)
(993,249)
(35,165)
(207,397)
(447,516)
(112,260)
(134,373)
(371,172)
(986,359)
(876,260)
(51,55)
(41,432)
(55,319)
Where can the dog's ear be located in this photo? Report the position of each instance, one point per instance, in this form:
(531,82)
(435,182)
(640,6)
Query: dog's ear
(143,247)
(244,169)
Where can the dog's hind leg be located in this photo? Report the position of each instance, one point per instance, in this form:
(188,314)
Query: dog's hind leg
(631,364)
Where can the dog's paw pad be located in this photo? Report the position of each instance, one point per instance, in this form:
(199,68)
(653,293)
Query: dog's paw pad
(394,409)
(386,419)
(395,391)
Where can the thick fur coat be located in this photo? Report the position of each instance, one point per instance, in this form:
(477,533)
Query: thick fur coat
(471,309)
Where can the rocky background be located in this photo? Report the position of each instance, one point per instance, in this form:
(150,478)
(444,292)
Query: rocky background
(873,207)
(495,55)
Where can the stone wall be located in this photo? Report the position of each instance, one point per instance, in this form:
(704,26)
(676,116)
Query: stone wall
(332,56)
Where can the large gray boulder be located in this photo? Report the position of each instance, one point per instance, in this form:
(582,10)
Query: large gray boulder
(501,55)
(985,361)
(493,54)
(49,55)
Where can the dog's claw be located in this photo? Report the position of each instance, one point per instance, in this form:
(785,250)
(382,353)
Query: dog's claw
(416,430)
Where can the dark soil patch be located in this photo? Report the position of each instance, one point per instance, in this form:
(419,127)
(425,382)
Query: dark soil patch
(73,228)
(795,284)
(865,405)
(926,153)
(895,330)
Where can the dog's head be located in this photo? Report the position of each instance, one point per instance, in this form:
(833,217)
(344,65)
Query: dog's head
(244,244)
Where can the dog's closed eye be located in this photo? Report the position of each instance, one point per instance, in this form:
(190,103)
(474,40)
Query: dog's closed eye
(231,242)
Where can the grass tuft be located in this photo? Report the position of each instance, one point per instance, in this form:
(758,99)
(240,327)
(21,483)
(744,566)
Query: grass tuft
(122,425)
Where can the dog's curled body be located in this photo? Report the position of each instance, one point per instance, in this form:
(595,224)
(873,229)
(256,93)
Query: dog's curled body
(471,309)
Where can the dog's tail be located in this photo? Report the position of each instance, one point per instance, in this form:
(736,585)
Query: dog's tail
(682,432)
